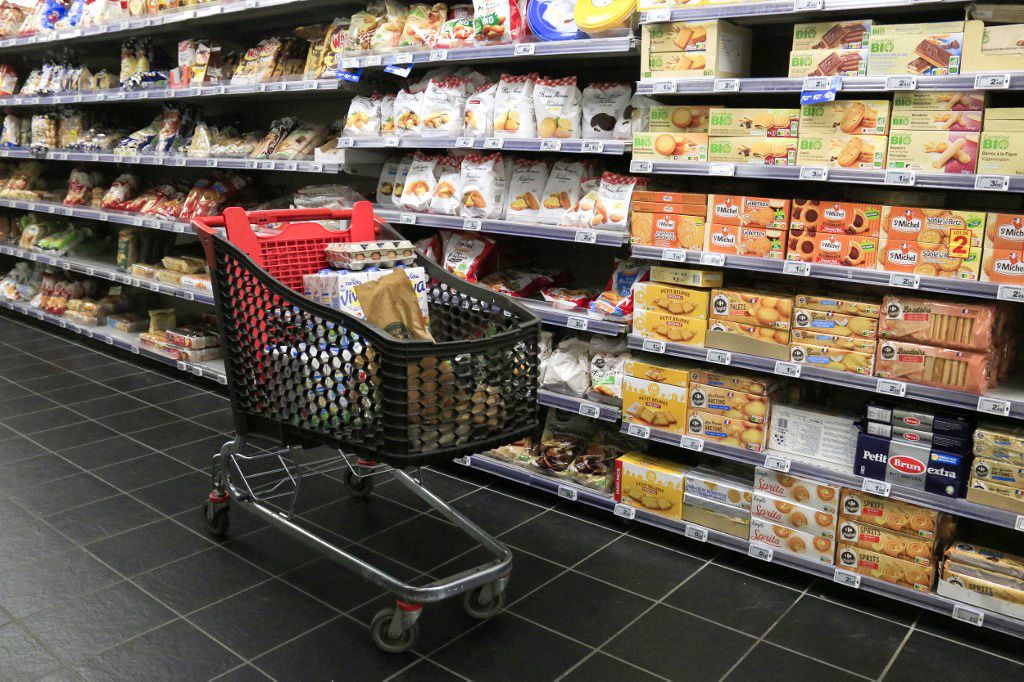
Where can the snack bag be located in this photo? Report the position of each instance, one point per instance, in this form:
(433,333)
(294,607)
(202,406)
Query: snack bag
(525,189)
(478,121)
(604,105)
(516,282)
(388,35)
(607,206)
(400,176)
(331,50)
(423,25)
(387,115)
(561,191)
(558,107)
(447,193)
(421,182)
(617,300)
(513,106)
(636,117)
(442,106)
(386,181)
(362,28)
(468,256)
(407,113)
(497,21)
(363,116)
(457,31)
(483,186)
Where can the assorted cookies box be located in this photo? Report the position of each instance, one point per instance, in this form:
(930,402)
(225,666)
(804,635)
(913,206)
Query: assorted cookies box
(835,217)
(849,250)
(983,577)
(658,297)
(733,432)
(663,326)
(686,147)
(775,151)
(928,49)
(1001,154)
(737,122)
(884,567)
(832,62)
(938,151)
(681,119)
(809,493)
(655,404)
(793,515)
(695,50)
(850,117)
(651,484)
(790,541)
(842,150)
(889,542)
(846,34)
(932,366)
(835,358)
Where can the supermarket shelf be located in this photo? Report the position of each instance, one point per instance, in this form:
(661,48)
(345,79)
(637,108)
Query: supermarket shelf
(109,272)
(568,491)
(565,234)
(690,86)
(788,10)
(210,369)
(587,408)
(1003,292)
(526,144)
(174,160)
(578,319)
(88,213)
(1002,401)
(888,178)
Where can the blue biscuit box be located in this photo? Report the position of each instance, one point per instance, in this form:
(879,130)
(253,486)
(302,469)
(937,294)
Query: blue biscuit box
(911,466)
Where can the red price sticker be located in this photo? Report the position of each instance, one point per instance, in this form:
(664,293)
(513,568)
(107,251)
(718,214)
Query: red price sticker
(960,242)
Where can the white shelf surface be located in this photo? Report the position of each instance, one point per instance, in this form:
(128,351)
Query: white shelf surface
(988,80)
(788,10)
(90,213)
(514,144)
(173,160)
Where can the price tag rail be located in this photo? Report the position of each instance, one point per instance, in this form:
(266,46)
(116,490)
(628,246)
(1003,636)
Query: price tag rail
(303,166)
(559,317)
(768,11)
(526,144)
(967,81)
(576,405)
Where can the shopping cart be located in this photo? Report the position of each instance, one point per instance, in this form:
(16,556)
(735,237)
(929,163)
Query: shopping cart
(308,376)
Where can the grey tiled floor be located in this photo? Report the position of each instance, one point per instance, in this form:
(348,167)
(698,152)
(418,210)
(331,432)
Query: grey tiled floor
(107,573)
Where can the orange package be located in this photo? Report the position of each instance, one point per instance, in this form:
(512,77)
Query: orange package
(896,254)
(728,209)
(754,307)
(667,231)
(677,209)
(933,366)
(932,226)
(1002,266)
(746,240)
(850,250)
(836,217)
(1004,231)
(952,324)
(670,197)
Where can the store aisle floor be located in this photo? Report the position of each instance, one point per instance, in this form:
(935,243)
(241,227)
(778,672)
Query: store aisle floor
(106,571)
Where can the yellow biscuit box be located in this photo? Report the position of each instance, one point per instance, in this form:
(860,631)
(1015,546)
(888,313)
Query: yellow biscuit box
(842,151)
(690,277)
(656,297)
(850,116)
(752,307)
(836,359)
(831,304)
(1001,153)
(739,121)
(662,370)
(683,119)
(735,381)
(890,569)
(649,403)
(651,484)
(778,336)
(745,406)
(902,517)
(737,433)
(769,151)
(688,147)
(839,324)
(816,338)
(663,326)
(885,541)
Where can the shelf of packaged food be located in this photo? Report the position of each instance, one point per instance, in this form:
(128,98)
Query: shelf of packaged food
(892,177)
(1002,401)
(788,10)
(694,86)
(109,272)
(173,160)
(89,213)
(1002,292)
(209,369)
(569,491)
(536,230)
(577,319)
(587,408)
(508,144)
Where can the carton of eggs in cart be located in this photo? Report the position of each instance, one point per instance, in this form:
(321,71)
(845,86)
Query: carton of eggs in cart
(358,255)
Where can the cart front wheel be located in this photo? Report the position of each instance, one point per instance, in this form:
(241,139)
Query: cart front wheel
(217,520)
(382,638)
(477,605)
(359,486)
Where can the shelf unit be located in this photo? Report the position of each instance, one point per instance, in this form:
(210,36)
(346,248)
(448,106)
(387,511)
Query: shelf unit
(587,408)
(508,144)
(174,160)
(994,80)
(89,213)
(790,10)
(578,319)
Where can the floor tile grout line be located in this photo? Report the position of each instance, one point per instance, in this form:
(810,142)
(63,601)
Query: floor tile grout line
(899,649)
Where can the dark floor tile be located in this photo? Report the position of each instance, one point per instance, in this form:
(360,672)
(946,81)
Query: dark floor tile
(78,360)
(560,538)
(176,651)
(608,608)
(505,647)
(316,654)
(495,512)
(824,631)
(146,470)
(6,432)
(24,405)
(177,494)
(423,542)
(81,393)
(55,386)
(195,581)
(879,605)
(528,571)
(27,588)
(356,518)
(62,674)
(260,618)
(166,392)
(42,420)
(102,518)
(41,469)
(110,371)
(659,569)
(243,673)
(12,391)
(734,599)
(63,494)
(200,453)
(242,522)
(341,587)
(137,420)
(274,550)
(782,575)
(15,359)
(442,485)
(34,370)
(971,635)
(426,671)
(147,547)
(17,449)
(64,437)
(97,408)
(103,453)
(75,351)
(21,656)
(705,652)
(221,421)
(926,657)
(602,668)
(133,382)
(86,625)
(769,663)
(172,434)
(25,541)
(193,404)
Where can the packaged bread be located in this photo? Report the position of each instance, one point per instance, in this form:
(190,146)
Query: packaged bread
(882,566)
(933,366)
(953,324)
(889,542)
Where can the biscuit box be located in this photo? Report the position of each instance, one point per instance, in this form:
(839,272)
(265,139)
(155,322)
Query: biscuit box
(735,121)
(753,307)
(752,408)
(932,49)
(746,240)
(930,100)
(731,209)
(654,296)
(842,150)
(682,119)
(773,151)
(985,589)
(952,324)
(735,381)
(805,337)
(827,35)
(678,36)
(830,304)
(996,495)
(848,116)
(932,226)
(1002,266)
(687,147)
(650,484)
(888,412)
(722,51)
(664,371)
(839,324)
(719,488)
(766,334)
(667,231)
(932,366)
(999,442)
(1004,120)
(888,542)
(956,121)
(902,517)
(697,210)
(884,567)
(835,359)
(926,439)
(1003,473)
(706,279)
(725,518)
(735,433)
(911,466)
(934,151)
(904,255)
(996,47)
(789,541)
(814,494)
(664,326)
(670,197)
(812,433)
(836,217)
(850,250)
(833,62)
(1001,154)
(649,403)
(1004,231)
(792,515)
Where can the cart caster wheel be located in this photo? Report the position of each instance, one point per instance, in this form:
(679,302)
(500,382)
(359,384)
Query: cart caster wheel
(216,520)
(359,486)
(383,639)
(471,603)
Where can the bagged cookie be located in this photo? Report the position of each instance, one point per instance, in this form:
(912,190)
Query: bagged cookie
(513,106)
(526,187)
(422,25)
(386,181)
(483,186)
(636,117)
(407,113)
(497,21)
(363,116)
(447,194)
(478,120)
(457,31)
(561,191)
(420,182)
(400,176)
(467,255)
(442,106)
(604,105)
(557,107)
(387,115)
(388,34)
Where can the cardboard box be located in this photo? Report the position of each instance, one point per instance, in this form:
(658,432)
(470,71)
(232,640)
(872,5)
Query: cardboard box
(995,495)
(839,324)
(831,304)
(936,441)
(827,35)
(813,338)
(934,321)
(840,150)
(848,116)
(658,297)
(828,357)
(667,327)
(789,541)
(930,100)
(888,542)
(792,515)
(957,370)
(750,240)
(725,54)
(681,119)
(911,466)
(933,226)
(676,36)
(1001,154)
(753,307)
(724,518)
(1004,119)
(687,276)
(745,343)
(735,381)
(649,403)
(1004,231)
(885,512)
(736,433)
(752,331)
(810,493)
(934,151)
(670,197)
(687,147)
(999,472)
(954,121)
(663,371)
(903,255)
(992,48)
(650,484)
(999,442)
(849,250)
(739,122)
(884,411)
(746,406)
(731,209)
(890,569)
(699,210)
(802,433)
(777,151)
(668,231)
(835,62)
(971,588)
(932,49)
(718,487)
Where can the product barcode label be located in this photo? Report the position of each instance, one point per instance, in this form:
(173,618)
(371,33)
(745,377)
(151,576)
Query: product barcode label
(899,177)
(994,406)
(905,280)
(576,322)
(992,183)
(464,142)
(589,410)
(813,173)
(674,255)
(777,463)
(727,85)
(787,369)
(438,55)
(407,218)
(721,357)
(402,58)
(818,83)
(901,83)
(697,533)
(586,237)
(523,49)
(968,615)
(796,267)
(847,578)
(760,552)
(716,259)
(592,147)
(493,143)
(890,387)
(664,87)
(691,443)
(472,224)
(567,493)
(639,430)
(464,461)
(641,166)
(991,81)
(876,487)
(654,346)
(550,145)
(624,511)
(721,169)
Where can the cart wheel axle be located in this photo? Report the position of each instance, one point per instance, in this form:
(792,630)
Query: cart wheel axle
(216,516)
(359,486)
(383,633)
(485,601)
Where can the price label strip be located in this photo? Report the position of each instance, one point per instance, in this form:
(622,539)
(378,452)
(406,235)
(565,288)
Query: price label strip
(777,463)
(969,615)
(697,533)
(847,578)
(760,552)
(567,493)
(624,511)
(876,487)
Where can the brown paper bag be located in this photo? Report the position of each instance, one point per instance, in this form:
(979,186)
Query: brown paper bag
(390,303)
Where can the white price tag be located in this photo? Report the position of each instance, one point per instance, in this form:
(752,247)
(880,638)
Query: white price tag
(550,145)
(777,463)
(567,493)
(992,183)
(727,85)
(472,224)
(899,177)
(464,461)
(345,142)
(808,5)
(402,58)
(62,324)
(586,237)
(813,173)
(664,87)
(624,511)
(890,387)
(1009,292)
(721,169)
(182,366)
(994,406)
(787,369)
(372,60)
(796,267)
(407,218)
(639,430)
(493,143)
(847,578)
(438,55)
(589,410)
(657,15)
(1019,524)
(674,255)
(691,443)
(464,142)
(576,322)
(992,81)
(289,165)
(211,163)
(654,346)
(523,49)
(876,487)
(90,271)
(641,166)
(391,141)
(720,357)
(901,83)
(968,615)
(760,552)
(592,147)
(350,63)
(905,280)
(716,259)
(696,533)
(187,295)
(819,83)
